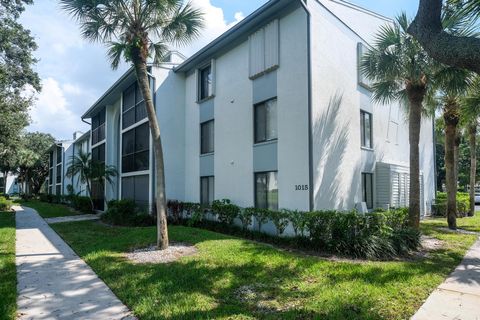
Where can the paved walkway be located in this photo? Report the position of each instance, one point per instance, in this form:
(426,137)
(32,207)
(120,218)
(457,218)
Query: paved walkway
(53,282)
(458,297)
(83,217)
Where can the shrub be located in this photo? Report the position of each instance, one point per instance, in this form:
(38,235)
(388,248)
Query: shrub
(5,204)
(261,216)
(246,217)
(440,206)
(175,210)
(82,204)
(298,220)
(281,220)
(126,213)
(225,211)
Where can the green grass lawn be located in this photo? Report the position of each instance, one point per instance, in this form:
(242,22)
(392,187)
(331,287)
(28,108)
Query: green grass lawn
(50,210)
(8,276)
(232,278)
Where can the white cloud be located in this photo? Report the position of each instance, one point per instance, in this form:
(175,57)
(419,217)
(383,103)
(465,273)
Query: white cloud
(52,113)
(76,72)
(215,25)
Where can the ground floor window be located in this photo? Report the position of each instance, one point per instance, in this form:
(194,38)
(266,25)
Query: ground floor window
(136,188)
(266,190)
(367,189)
(50,190)
(98,195)
(207,190)
(58,189)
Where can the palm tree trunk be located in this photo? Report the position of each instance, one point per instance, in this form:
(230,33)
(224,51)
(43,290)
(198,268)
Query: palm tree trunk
(472,132)
(451,120)
(456,155)
(415,97)
(161,203)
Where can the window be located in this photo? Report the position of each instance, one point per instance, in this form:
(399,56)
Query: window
(266,121)
(362,79)
(98,154)
(133,106)
(207,132)
(136,189)
(51,159)
(205,84)
(98,127)
(367,189)
(136,149)
(59,155)
(266,190)
(59,173)
(58,190)
(207,190)
(366,129)
(264,49)
(50,176)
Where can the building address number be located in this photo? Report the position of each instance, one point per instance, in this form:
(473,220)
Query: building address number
(301,187)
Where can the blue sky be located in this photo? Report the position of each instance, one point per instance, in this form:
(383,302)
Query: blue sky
(75,73)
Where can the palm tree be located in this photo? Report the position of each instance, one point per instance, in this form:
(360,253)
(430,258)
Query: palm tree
(137,30)
(453,83)
(400,70)
(470,115)
(89,172)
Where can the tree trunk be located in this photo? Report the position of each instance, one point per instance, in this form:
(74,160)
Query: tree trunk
(5,173)
(472,133)
(452,50)
(450,116)
(415,97)
(456,155)
(161,203)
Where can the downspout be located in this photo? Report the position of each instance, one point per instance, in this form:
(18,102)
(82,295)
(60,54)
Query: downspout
(310,116)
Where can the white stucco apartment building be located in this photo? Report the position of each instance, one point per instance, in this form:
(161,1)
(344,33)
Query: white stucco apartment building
(273,113)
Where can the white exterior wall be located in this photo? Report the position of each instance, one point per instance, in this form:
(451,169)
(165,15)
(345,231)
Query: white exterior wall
(233,115)
(170,104)
(339,159)
(12,186)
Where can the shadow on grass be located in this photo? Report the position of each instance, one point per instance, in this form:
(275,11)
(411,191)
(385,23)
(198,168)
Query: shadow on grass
(235,278)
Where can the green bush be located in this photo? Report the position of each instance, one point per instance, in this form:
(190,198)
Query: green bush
(376,235)
(81,203)
(126,213)
(5,204)
(440,206)
(45,197)
(225,211)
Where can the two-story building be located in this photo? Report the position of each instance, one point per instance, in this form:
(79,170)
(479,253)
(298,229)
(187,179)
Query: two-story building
(273,113)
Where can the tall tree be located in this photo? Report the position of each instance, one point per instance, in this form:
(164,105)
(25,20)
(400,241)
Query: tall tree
(16,76)
(400,70)
(137,30)
(470,117)
(461,51)
(34,160)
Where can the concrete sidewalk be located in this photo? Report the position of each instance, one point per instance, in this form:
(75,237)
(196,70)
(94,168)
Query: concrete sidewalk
(458,297)
(53,282)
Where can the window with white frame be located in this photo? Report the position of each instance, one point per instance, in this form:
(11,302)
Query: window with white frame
(265,119)
(207,190)
(98,127)
(136,149)
(207,137)
(362,79)
(367,189)
(366,129)
(133,106)
(205,83)
(264,48)
(266,190)
(136,188)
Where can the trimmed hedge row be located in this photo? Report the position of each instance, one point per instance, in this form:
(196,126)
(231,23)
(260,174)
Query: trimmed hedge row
(126,213)
(440,207)
(376,235)
(79,203)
